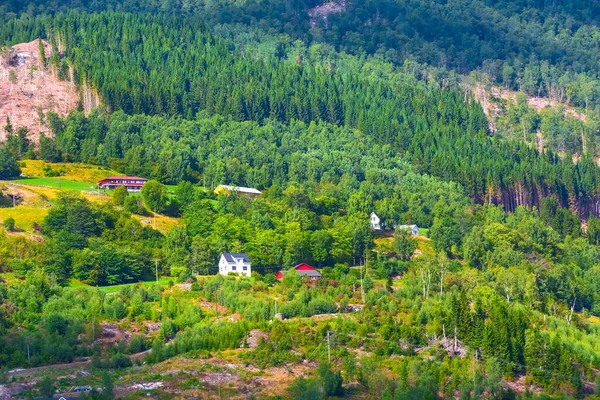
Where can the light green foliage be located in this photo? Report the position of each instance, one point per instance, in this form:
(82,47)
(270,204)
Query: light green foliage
(186,193)
(305,389)
(9,224)
(328,138)
(330,381)
(404,244)
(46,387)
(120,195)
(155,195)
(8,164)
(107,386)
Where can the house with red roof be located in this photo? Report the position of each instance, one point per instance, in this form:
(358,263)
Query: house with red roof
(304,270)
(131,183)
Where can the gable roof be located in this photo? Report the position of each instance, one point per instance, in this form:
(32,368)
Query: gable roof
(306,270)
(311,273)
(304,267)
(411,227)
(132,178)
(241,189)
(232,257)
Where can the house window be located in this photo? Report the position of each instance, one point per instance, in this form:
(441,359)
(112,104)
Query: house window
(233,268)
(245,268)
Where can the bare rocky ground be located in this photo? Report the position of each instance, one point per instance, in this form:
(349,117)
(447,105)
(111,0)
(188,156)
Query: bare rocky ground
(215,377)
(492,109)
(324,10)
(26,88)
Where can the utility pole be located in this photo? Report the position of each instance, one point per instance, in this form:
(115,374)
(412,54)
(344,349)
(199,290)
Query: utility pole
(362,292)
(328,348)
(334,346)
(156,268)
(217,303)
(455,341)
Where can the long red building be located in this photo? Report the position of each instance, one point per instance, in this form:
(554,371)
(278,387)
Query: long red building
(131,183)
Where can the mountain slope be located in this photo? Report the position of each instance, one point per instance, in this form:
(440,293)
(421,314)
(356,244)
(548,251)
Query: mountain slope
(438,130)
(28,90)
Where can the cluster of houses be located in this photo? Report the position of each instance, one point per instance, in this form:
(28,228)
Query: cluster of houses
(135,184)
(377,226)
(239,263)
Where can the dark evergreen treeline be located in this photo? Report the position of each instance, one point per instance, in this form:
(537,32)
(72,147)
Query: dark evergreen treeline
(542,47)
(217,149)
(161,65)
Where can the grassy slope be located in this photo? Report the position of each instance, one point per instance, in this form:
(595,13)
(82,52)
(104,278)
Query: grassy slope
(76,177)
(72,172)
(58,183)
(162,281)
(37,192)
(423,243)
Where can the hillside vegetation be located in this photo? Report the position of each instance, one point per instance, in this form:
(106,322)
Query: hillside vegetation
(433,128)
(371,109)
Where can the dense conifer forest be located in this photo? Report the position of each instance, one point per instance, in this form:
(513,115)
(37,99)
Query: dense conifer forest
(369,110)
(201,73)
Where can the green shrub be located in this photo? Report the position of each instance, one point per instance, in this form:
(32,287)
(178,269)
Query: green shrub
(9,224)
(120,360)
(119,195)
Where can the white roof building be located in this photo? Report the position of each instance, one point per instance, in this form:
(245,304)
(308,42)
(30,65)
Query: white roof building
(224,189)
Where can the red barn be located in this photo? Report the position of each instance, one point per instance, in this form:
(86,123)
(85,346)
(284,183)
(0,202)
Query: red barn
(304,270)
(131,183)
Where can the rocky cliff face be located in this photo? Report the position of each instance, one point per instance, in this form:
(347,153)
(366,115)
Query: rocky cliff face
(29,89)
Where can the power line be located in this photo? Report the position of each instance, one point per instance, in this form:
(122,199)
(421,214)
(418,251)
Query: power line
(313,353)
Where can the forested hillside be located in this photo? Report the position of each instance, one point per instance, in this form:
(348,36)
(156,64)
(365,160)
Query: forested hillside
(541,47)
(161,65)
(369,107)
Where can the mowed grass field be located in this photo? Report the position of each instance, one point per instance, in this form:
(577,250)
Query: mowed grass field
(73,177)
(24,216)
(57,183)
(34,202)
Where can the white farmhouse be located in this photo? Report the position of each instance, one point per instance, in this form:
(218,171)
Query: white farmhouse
(411,228)
(375,222)
(238,263)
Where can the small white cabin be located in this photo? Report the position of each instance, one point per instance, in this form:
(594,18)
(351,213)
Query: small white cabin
(238,263)
(375,222)
(411,228)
